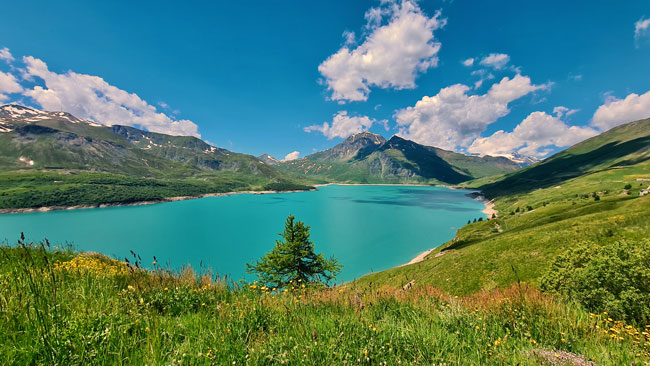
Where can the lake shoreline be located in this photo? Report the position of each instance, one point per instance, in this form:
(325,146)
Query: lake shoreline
(489,211)
(139,203)
(184,198)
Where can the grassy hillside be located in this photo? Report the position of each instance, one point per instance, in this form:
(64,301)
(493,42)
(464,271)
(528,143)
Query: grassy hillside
(60,308)
(56,159)
(622,146)
(586,194)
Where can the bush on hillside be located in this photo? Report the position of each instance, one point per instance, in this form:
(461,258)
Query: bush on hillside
(612,278)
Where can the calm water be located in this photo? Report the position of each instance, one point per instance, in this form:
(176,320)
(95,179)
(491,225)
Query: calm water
(368,228)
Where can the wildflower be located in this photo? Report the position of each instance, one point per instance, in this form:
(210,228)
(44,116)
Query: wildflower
(563,340)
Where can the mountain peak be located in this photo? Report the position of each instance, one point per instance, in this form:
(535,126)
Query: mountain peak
(268,159)
(21,113)
(351,146)
(373,137)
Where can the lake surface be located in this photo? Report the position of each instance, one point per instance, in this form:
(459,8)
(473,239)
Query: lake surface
(367,228)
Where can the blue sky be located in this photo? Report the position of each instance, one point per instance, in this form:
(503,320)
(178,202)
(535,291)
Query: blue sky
(262,77)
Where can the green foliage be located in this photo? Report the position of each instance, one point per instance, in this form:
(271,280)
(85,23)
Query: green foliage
(33,189)
(612,278)
(162,318)
(293,260)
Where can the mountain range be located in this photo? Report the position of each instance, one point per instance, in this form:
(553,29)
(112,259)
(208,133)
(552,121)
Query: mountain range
(370,158)
(45,156)
(41,140)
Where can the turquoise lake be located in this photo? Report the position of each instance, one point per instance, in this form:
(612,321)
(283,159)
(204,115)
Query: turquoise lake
(367,228)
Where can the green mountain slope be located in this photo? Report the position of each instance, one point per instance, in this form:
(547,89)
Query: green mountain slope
(590,193)
(141,165)
(625,145)
(369,158)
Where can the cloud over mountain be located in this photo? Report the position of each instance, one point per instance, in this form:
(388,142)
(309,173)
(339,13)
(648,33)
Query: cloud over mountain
(90,97)
(453,118)
(533,136)
(344,125)
(618,111)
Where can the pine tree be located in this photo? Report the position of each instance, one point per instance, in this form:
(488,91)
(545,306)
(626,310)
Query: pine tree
(293,260)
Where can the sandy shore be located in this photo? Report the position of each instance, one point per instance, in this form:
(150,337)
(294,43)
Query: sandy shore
(419,258)
(139,203)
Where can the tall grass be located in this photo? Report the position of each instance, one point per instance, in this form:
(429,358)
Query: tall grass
(63,308)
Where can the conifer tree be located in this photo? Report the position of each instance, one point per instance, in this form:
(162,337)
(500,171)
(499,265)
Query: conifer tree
(293,260)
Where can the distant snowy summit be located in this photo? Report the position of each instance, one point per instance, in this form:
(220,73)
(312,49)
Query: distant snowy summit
(11,113)
(522,160)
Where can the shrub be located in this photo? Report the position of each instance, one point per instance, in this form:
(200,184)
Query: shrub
(612,277)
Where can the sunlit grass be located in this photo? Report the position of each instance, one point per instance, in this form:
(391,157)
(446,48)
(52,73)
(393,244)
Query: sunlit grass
(60,307)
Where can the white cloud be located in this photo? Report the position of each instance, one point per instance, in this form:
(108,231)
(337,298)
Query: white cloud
(575,77)
(561,111)
(535,135)
(344,125)
(495,60)
(391,55)
(6,55)
(90,97)
(469,62)
(291,156)
(641,30)
(453,119)
(483,75)
(350,38)
(8,85)
(619,111)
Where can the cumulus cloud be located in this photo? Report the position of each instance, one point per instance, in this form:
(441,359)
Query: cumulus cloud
(535,136)
(343,125)
(496,60)
(291,156)
(90,97)
(453,118)
(619,111)
(398,46)
(469,62)
(641,30)
(8,85)
(6,55)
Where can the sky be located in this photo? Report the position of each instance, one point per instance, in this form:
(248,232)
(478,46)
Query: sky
(289,78)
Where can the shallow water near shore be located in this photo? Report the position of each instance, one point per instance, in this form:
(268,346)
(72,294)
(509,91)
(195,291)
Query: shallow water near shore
(367,228)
